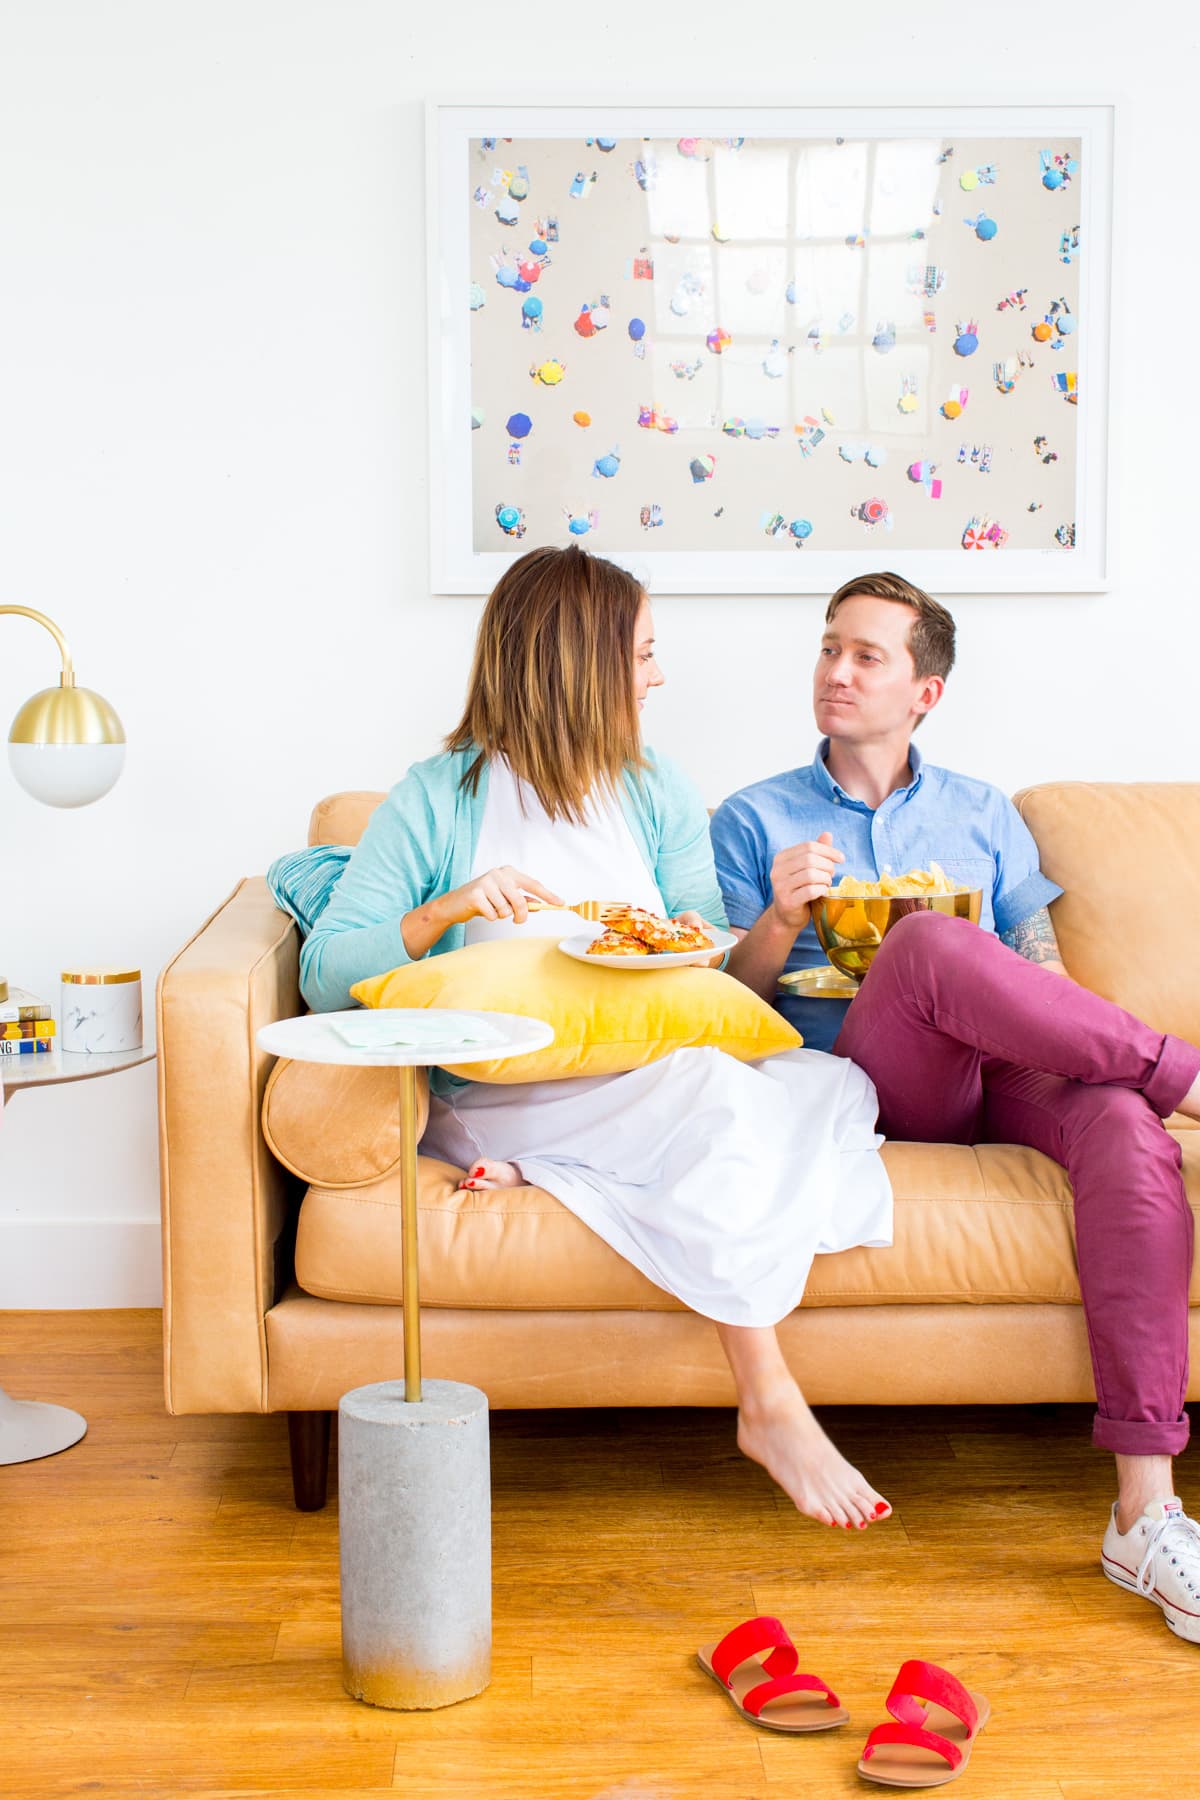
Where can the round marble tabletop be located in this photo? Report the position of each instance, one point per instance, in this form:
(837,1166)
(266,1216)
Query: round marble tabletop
(314,1037)
(48,1067)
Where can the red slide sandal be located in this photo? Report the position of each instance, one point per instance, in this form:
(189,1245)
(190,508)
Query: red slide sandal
(937,1724)
(766,1689)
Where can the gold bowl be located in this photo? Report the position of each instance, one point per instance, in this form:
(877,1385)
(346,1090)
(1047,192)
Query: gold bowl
(851,930)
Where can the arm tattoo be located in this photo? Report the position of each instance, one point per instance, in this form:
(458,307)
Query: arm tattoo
(1033,938)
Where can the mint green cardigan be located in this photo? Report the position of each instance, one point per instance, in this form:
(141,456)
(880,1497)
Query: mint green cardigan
(420,842)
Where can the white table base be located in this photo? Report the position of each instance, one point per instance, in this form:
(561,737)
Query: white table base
(30,1429)
(415,1527)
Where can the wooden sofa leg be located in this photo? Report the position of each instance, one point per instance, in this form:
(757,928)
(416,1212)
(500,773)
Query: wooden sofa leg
(308,1440)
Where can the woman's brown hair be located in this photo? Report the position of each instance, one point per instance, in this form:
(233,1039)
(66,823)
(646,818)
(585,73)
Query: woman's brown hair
(552,681)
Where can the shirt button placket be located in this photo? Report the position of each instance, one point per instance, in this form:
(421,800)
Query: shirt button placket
(879,843)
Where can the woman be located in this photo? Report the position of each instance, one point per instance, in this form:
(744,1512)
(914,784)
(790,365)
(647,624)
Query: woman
(719,1186)
(545,789)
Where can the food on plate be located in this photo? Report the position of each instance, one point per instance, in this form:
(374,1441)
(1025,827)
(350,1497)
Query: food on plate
(632,931)
(610,944)
(933,880)
(687,937)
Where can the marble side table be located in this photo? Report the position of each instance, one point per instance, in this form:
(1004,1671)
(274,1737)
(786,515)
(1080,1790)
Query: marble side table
(414,1486)
(30,1429)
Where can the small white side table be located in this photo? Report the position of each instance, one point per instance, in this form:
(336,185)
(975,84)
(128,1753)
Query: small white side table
(313,1038)
(30,1429)
(414,1483)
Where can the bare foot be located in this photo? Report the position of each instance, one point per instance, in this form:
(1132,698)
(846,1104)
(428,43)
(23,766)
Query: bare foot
(492,1175)
(785,1438)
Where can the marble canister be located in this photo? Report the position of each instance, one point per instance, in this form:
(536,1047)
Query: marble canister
(101,1009)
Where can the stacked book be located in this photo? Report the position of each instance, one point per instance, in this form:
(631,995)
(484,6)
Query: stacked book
(25,1024)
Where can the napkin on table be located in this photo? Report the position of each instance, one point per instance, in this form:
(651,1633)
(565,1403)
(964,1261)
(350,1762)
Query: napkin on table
(414,1030)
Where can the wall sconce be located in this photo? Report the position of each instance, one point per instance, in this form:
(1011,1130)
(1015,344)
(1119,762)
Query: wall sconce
(67,745)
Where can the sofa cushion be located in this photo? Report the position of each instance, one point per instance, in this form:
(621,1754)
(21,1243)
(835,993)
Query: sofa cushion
(342,818)
(987,1225)
(1126,925)
(606,1021)
(334,1123)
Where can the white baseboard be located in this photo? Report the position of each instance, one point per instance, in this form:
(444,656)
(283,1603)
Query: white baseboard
(76,1264)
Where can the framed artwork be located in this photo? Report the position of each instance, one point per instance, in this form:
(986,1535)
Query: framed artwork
(761,350)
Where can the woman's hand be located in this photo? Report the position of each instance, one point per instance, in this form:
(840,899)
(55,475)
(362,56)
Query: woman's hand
(701,924)
(497,894)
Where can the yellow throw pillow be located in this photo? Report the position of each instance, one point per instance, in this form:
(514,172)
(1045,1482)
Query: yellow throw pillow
(605,1020)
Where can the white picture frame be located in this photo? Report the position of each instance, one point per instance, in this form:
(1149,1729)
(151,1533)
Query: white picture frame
(465,560)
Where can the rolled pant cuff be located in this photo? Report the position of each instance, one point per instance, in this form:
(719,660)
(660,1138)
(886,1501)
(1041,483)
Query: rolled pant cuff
(1174,1073)
(1141,1437)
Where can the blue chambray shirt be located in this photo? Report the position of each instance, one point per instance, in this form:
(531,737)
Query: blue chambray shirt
(973,830)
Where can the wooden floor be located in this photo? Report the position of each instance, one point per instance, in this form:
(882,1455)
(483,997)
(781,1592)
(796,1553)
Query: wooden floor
(169,1625)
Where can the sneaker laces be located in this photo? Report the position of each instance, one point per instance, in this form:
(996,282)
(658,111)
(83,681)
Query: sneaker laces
(1181,1536)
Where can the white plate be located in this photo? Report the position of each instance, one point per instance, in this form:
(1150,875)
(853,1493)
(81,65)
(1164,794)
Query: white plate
(671,959)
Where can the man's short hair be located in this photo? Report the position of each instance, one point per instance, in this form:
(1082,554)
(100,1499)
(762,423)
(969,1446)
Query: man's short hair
(931,635)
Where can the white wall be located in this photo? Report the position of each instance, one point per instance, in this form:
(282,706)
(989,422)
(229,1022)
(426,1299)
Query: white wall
(212,456)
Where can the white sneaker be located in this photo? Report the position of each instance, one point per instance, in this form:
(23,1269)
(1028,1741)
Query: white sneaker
(1159,1556)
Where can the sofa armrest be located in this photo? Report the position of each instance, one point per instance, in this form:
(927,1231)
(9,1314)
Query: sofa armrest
(226,1202)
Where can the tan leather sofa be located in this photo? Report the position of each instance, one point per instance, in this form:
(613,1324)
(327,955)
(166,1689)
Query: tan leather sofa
(282,1283)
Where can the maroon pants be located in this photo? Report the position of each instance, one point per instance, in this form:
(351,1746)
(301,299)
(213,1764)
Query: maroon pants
(968,1043)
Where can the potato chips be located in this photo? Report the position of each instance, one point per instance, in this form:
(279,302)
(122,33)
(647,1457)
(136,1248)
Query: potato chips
(933,880)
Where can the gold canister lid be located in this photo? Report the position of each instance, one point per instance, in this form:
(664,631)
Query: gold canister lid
(100,977)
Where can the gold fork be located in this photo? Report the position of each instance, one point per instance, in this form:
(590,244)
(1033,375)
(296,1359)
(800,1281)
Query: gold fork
(591,910)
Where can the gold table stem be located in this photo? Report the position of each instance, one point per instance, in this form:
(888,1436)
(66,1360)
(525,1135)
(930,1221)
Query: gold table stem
(408,1229)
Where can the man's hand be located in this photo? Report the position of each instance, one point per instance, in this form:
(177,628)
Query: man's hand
(798,877)
(801,875)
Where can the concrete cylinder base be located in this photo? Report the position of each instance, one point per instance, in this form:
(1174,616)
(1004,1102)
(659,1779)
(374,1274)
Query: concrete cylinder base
(415,1524)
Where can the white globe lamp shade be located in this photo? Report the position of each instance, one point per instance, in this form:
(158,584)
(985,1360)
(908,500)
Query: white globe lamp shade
(66,774)
(66,746)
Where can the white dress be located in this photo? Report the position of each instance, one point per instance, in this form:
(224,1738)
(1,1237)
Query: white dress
(719,1180)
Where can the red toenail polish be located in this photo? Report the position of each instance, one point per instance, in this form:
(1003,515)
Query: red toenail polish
(881,1508)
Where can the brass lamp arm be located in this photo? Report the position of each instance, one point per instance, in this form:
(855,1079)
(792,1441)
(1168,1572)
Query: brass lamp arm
(27,612)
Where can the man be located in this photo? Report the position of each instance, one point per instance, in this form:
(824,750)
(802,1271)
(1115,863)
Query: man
(868,802)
